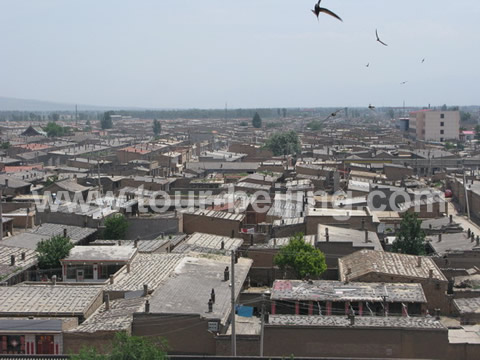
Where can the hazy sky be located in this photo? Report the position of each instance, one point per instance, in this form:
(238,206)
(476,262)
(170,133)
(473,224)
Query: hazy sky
(249,53)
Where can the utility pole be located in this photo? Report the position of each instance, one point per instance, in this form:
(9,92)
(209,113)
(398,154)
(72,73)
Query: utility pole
(466,191)
(1,214)
(232,279)
(263,325)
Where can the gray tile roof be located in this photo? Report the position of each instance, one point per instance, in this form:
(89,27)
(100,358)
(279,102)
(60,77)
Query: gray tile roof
(149,269)
(360,322)
(118,318)
(59,300)
(364,262)
(206,243)
(6,270)
(468,305)
(323,290)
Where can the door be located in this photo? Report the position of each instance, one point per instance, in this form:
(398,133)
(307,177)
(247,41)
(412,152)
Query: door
(80,275)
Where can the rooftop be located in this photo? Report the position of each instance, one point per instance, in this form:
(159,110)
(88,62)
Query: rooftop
(358,238)
(360,322)
(216,214)
(206,243)
(456,242)
(188,290)
(101,253)
(6,270)
(145,269)
(47,299)
(323,290)
(364,262)
(468,305)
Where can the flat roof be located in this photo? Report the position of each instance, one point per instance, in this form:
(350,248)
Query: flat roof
(325,290)
(188,290)
(358,238)
(224,215)
(58,300)
(101,253)
(456,242)
(360,322)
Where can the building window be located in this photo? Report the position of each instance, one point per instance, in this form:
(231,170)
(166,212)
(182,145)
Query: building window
(441,139)
(442,123)
(442,116)
(12,344)
(442,132)
(45,344)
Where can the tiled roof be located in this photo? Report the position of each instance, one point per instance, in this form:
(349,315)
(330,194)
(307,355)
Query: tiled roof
(364,262)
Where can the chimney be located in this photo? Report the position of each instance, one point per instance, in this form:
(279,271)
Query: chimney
(251,240)
(478,240)
(112,278)
(437,314)
(145,290)
(450,287)
(23,256)
(6,183)
(327,235)
(274,242)
(226,274)
(107,302)
(419,261)
(212,296)
(12,260)
(439,237)
(128,267)
(451,219)
(351,317)
(222,245)
(366,236)
(135,243)
(469,232)
(64,232)
(233,234)
(210,305)
(430,274)
(147,307)
(54,280)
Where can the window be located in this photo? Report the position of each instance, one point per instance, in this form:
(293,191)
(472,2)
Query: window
(442,132)
(12,344)
(45,344)
(441,139)
(442,123)
(442,116)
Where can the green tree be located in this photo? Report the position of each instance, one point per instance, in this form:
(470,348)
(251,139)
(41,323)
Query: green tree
(5,145)
(115,227)
(126,347)
(54,117)
(157,127)
(477,132)
(315,125)
(243,123)
(106,121)
(50,251)
(301,257)
(465,116)
(54,130)
(257,121)
(284,143)
(410,238)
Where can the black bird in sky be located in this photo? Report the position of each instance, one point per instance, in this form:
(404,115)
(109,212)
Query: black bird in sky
(371,107)
(378,38)
(317,10)
(403,82)
(423,60)
(332,114)
(367,65)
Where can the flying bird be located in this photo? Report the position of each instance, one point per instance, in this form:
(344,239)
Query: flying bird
(332,114)
(403,82)
(367,65)
(378,38)
(371,107)
(317,10)
(423,60)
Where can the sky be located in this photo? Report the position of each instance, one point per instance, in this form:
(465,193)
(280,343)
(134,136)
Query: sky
(247,53)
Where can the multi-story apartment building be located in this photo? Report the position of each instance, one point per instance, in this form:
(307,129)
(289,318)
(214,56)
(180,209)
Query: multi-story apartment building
(433,125)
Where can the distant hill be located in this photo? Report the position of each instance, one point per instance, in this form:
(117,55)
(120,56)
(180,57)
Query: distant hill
(13,104)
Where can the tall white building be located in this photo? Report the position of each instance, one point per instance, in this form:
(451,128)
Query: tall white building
(434,125)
